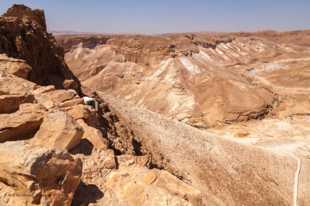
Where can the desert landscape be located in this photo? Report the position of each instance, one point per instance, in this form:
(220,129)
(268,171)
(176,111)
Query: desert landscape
(198,118)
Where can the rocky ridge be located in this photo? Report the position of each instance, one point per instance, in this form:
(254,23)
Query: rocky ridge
(24,36)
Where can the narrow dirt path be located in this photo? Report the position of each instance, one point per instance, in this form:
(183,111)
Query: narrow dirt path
(296,180)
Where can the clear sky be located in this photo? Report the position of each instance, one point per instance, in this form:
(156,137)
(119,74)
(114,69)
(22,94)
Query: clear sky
(162,16)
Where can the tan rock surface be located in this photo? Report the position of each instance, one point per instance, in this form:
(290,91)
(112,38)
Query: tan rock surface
(58,131)
(22,124)
(93,135)
(14,66)
(34,175)
(12,85)
(140,186)
(108,181)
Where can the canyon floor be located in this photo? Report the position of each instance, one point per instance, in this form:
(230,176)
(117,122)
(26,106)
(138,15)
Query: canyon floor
(176,119)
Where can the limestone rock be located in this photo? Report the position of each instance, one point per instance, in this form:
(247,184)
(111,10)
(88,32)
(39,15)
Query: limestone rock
(14,66)
(140,186)
(80,111)
(93,135)
(22,124)
(13,85)
(23,35)
(130,160)
(58,131)
(32,175)
(54,98)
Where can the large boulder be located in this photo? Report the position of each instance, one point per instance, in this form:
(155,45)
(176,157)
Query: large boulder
(58,131)
(93,135)
(53,98)
(32,175)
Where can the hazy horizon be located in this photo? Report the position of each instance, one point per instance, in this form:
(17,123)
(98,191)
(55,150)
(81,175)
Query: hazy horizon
(174,16)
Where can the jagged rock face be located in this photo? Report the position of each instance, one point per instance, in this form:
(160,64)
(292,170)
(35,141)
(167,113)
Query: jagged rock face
(39,126)
(22,11)
(23,35)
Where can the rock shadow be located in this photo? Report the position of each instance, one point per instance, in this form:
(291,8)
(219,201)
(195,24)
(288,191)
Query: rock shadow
(85,147)
(86,194)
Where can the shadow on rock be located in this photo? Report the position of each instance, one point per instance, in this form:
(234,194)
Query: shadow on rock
(86,194)
(85,147)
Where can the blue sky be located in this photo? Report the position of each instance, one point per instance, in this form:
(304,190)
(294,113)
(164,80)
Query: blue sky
(162,16)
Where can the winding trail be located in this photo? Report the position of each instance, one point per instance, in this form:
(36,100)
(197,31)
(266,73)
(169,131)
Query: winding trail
(296,180)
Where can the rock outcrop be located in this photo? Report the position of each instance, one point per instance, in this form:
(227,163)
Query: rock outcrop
(35,172)
(23,35)
(58,131)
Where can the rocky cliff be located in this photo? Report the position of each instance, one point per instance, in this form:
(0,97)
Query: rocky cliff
(23,36)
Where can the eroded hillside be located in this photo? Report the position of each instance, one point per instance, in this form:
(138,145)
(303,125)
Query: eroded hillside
(248,94)
(204,80)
